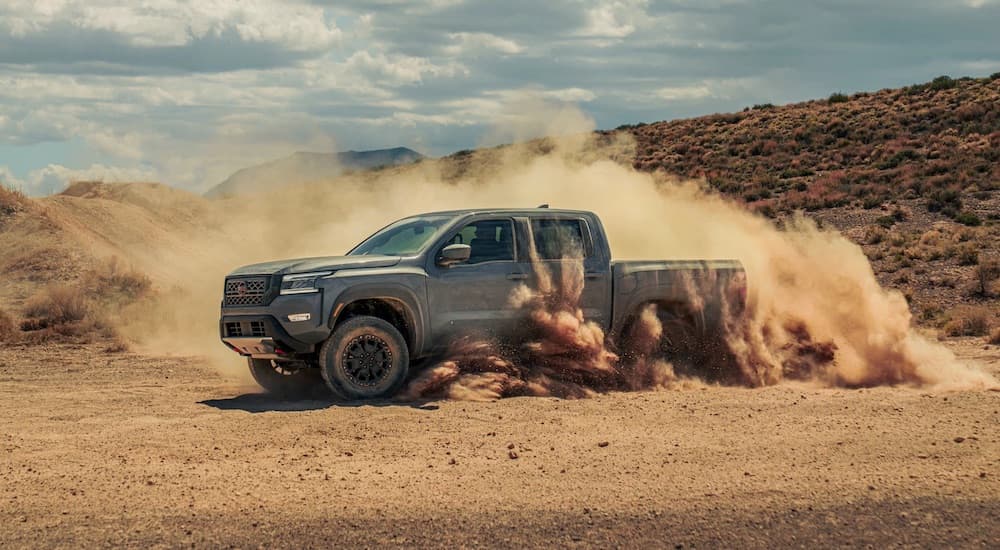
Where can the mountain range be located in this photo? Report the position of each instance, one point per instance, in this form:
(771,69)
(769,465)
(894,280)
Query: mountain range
(304,167)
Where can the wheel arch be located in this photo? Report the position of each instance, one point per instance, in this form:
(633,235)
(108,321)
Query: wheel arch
(396,305)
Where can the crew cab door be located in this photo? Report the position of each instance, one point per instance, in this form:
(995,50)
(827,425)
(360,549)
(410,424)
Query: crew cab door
(474,296)
(565,243)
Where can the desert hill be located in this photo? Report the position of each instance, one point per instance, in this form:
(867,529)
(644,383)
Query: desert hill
(56,239)
(939,142)
(911,174)
(305,167)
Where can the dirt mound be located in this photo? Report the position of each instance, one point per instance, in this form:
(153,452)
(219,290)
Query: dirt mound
(96,243)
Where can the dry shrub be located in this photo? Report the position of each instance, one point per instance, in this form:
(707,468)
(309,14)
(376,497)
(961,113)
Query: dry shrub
(114,283)
(63,312)
(80,313)
(11,200)
(118,345)
(987,271)
(875,235)
(57,305)
(8,330)
(968,321)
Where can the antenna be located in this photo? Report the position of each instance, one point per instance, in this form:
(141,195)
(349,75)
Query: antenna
(546,205)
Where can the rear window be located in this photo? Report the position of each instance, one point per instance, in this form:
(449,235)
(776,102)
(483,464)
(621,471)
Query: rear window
(556,239)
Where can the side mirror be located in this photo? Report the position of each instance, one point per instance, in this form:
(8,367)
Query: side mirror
(454,254)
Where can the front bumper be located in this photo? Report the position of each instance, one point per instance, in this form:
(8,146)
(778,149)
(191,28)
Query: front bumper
(270,327)
(267,331)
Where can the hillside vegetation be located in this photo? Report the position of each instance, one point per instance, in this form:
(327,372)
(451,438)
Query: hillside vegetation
(912,175)
(939,142)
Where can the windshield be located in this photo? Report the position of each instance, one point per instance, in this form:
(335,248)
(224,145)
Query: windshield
(403,238)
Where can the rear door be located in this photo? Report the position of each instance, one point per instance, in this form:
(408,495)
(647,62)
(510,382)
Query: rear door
(474,297)
(565,247)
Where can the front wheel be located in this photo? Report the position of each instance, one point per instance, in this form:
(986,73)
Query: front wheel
(285,379)
(365,358)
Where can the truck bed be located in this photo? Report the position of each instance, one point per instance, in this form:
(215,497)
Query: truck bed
(698,287)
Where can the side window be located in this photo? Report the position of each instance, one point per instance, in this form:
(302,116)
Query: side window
(556,239)
(491,240)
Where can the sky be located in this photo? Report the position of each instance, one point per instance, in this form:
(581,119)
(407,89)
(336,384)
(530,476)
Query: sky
(186,92)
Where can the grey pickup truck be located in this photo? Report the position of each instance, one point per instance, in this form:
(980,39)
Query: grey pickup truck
(358,321)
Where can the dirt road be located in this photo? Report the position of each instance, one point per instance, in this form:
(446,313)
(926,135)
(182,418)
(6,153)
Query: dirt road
(122,449)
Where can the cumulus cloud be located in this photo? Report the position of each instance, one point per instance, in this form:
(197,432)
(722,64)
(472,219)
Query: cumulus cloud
(675,93)
(401,69)
(187,92)
(615,19)
(474,43)
(55,177)
(166,23)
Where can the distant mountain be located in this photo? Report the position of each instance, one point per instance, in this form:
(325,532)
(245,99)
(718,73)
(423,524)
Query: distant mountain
(304,167)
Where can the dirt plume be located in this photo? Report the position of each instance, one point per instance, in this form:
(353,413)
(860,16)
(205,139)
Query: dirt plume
(565,355)
(816,310)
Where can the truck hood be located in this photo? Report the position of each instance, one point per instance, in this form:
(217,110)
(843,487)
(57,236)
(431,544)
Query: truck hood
(322,263)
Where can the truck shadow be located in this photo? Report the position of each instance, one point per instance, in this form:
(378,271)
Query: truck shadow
(264,402)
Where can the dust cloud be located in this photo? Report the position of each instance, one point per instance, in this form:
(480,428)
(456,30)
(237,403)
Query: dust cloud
(815,311)
(564,355)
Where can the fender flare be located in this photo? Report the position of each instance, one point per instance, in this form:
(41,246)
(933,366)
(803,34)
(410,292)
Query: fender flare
(400,295)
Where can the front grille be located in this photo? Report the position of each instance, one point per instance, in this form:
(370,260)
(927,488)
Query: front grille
(240,329)
(245,291)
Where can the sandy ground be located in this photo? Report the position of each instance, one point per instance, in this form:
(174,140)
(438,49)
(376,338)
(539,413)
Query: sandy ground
(127,450)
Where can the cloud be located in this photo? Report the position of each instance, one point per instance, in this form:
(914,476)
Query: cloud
(167,23)
(614,19)
(54,177)
(476,43)
(8,179)
(680,93)
(401,69)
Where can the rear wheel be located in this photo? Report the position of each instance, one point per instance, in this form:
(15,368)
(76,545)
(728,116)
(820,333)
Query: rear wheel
(365,358)
(681,339)
(701,352)
(285,378)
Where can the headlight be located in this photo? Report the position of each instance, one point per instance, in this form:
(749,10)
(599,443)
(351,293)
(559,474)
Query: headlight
(301,283)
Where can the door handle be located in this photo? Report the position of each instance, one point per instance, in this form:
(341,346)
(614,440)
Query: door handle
(517,276)
(593,275)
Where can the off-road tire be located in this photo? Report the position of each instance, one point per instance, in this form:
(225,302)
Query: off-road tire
(681,340)
(365,358)
(282,382)
(695,351)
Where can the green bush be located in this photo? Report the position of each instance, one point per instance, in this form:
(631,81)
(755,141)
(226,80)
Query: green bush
(945,201)
(897,159)
(943,82)
(886,221)
(838,97)
(968,218)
